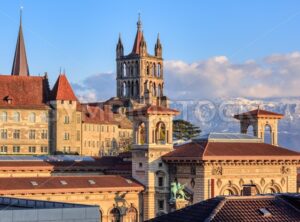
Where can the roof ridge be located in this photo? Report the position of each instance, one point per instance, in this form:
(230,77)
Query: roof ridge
(216,210)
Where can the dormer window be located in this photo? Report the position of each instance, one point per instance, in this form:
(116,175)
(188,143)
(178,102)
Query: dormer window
(8,99)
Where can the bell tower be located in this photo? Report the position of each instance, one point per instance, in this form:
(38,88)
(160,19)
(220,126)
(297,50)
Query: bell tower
(139,73)
(260,120)
(153,128)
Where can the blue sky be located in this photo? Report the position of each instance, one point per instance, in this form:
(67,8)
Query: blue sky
(81,35)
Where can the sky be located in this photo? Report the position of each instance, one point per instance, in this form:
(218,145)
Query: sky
(211,48)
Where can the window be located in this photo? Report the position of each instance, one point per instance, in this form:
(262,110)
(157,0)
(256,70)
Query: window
(4,116)
(160,181)
(31,149)
(34,183)
(44,149)
(140,165)
(32,134)
(160,164)
(78,135)
(63,182)
(67,120)
(66,136)
(67,149)
(44,117)
(102,128)
(44,134)
(32,117)
(16,134)
(4,134)
(161,204)
(3,149)
(16,117)
(107,128)
(16,149)
(92,182)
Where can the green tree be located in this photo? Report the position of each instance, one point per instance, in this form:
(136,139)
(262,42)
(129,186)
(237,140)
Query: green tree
(184,130)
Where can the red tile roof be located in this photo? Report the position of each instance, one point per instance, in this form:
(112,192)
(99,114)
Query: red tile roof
(72,184)
(201,151)
(24,91)
(62,89)
(153,109)
(258,113)
(236,209)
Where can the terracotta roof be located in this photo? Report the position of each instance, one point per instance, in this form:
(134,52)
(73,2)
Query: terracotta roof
(97,114)
(20,65)
(138,38)
(237,209)
(24,165)
(24,91)
(153,109)
(62,89)
(258,113)
(54,184)
(201,151)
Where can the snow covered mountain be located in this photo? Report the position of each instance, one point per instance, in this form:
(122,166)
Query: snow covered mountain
(217,115)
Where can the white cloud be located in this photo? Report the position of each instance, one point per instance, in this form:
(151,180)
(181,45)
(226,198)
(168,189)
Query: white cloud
(273,76)
(277,75)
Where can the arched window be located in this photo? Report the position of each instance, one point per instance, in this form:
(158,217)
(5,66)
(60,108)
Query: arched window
(124,70)
(44,117)
(158,70)
(124,89)
(142,134)
(154,69)
(132,89)
(228,192)
(160,133)
(32,117)
(148,69)
(16,116)
(160,175)
(131,215)
(137,87)
(268,135)
(114,215)
(154,89)
(4,116)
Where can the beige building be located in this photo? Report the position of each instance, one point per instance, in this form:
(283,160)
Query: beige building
(35,119)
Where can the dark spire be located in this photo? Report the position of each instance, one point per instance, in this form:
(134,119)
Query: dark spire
(158,47)
(138,37)
(119,49)
(20,65)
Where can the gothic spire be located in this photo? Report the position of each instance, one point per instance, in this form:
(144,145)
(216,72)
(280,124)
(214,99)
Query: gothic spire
(158,47)
(138,37)
(20,65)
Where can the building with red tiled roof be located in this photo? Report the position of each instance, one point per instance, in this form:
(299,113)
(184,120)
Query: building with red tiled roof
(238,208)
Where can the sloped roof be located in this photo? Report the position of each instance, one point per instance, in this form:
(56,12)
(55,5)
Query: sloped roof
(258,113)
(235,209)
(24,91)
(20,65)
(241,149)
(62,89)
(53,184)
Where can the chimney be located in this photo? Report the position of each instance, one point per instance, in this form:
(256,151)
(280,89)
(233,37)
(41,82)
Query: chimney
(249,190)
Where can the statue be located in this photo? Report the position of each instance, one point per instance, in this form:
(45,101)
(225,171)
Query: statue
(177,192)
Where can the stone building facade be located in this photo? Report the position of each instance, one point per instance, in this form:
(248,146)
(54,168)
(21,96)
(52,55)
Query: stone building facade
(35,119)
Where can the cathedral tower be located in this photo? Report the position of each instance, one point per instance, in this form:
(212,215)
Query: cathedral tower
(139,74)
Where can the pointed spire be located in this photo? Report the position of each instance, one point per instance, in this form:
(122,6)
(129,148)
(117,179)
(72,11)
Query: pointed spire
(138,37)
(119,49)
(158,47)
(20,65)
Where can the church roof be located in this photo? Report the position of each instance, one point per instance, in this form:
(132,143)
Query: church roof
(258,113)
(20,65)
(138,38)
(229,148)
(62,89)
(24,91)
(238,208)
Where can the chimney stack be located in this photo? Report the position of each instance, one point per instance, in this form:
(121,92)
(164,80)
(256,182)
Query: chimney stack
(249,190)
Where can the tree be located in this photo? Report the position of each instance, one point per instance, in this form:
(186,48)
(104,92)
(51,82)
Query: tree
(184,130)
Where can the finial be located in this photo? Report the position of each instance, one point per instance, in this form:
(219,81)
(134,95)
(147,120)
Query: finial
(21,11)
(59,70)
(139,23)
(64,72)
